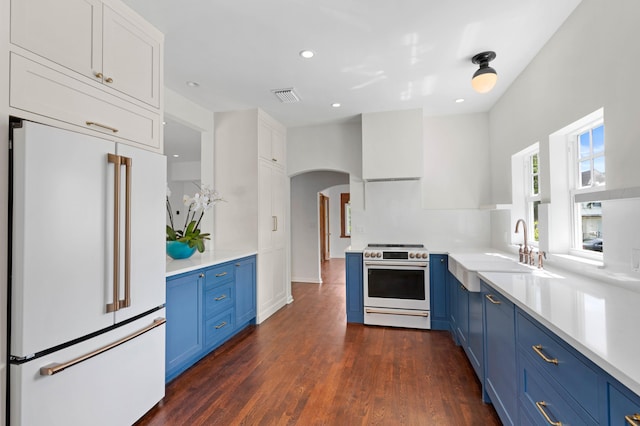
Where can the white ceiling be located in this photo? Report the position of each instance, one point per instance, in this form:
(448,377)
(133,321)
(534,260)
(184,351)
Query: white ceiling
(371,55)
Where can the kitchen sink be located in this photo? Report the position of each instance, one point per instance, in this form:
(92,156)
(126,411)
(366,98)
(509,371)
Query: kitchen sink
(465,267)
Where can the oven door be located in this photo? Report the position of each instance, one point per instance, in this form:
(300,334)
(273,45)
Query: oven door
(393,284)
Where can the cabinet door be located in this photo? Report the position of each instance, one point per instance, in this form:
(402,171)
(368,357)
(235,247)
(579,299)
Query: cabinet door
(462,322)
(67,32)
(437,285)
(148,257)
(245,291)
(278,148)
(475,334)
(354,302)
(271,286)
(131,59)
(264,141)
(184,322)
(500,357)
(278,206)
(452,285)
(266,220)
(624,406)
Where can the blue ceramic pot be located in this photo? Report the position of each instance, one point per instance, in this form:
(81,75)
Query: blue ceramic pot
(179,250)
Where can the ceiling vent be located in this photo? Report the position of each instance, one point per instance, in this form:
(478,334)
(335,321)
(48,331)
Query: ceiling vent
(287,96)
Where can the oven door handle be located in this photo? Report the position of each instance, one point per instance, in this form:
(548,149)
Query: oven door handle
(409,314)
(403,264)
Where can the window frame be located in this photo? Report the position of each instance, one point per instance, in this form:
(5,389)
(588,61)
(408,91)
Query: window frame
(531,197)
(576,189)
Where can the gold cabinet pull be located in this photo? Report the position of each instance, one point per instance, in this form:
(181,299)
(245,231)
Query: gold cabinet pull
(463,288)
(201,275)
(108,80)
(541,406)
(492,300)
(219,298)
(237,265)
(633,419)
(409,314)
(222,324)
(275,160)
(538,350)
(222,274)
(104,126)
(98,75)
(52,369)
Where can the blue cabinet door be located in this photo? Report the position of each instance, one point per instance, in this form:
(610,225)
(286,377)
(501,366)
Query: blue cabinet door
(500,354)
(452,287)
(438,264)
(475,348)
(184,339)
(462,309)
(355,301)
(245,291)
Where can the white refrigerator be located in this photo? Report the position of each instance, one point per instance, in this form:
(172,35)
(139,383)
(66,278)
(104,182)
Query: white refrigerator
(87,279)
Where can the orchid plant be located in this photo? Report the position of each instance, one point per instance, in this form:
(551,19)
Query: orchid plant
(197,205)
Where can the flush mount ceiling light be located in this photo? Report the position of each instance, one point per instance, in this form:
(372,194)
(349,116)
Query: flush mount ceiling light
(192,84)
(336,105)
(484,79)
(307,54)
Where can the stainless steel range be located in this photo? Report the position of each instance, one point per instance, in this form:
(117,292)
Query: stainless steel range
(396,285)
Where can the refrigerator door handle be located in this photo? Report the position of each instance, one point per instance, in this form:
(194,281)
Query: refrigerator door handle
(126,302)
(117,161)
(52,369)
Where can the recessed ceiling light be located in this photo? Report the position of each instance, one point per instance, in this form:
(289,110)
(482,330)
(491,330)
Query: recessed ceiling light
(307,54)
(336,105)
(176,155)
(192,84)
(459,100)
(164,123)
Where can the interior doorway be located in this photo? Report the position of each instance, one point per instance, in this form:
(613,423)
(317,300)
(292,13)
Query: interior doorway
(325,251)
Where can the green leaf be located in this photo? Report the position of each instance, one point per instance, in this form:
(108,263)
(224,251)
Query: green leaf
(171,234)
(200,246)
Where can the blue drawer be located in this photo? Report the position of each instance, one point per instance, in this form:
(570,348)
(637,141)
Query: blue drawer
(573,374)
(539,397)
(218,299)
(219,274)
(219,327)
(623,406)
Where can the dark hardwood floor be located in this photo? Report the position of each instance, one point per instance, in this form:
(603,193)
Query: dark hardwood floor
(306,366)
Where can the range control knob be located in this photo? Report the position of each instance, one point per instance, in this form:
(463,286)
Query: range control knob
(378,254)
(412,255)
(366,254)
(425,255)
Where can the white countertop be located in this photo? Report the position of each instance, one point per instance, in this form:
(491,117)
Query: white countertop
(598,319)
(203,260)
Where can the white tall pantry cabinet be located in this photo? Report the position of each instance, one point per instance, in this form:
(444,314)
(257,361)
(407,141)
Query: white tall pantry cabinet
(250,172)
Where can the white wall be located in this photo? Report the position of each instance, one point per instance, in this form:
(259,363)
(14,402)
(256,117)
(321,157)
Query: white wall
(586,65)
(337,244)
(335,147)
(305,230)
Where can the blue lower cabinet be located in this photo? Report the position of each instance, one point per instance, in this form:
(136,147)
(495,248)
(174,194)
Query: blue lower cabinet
(354,283)
(452,287)
(500,354)
(438,270)
(205,308)
(245,291)
(624,406)
(462,310)
(184,340)
(476,334)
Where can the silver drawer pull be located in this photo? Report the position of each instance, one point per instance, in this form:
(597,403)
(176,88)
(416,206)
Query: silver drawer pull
(52,369)
(222,274)
(222,324)
(492,300)
(633,419)
(538,350)
(217,299)
(541,406)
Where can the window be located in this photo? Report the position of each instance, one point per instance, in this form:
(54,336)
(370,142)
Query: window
(532,196)
(588,178)
(345,215)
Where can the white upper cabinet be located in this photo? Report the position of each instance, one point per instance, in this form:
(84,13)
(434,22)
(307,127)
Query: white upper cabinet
(271,141)
(392,146)
(106,44)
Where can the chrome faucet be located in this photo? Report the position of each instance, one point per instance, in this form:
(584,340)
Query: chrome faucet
(523,252)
